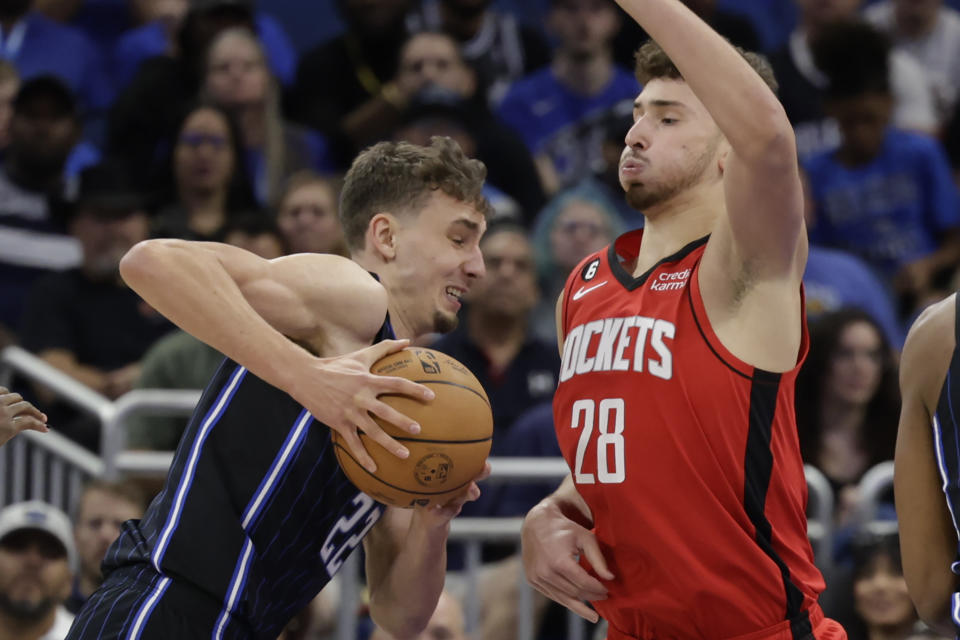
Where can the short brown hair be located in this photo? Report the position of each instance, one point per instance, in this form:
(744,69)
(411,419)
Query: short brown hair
(399,177)
(653,62)
(126,491)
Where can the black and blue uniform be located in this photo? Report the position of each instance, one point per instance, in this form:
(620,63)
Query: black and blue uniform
(255,518)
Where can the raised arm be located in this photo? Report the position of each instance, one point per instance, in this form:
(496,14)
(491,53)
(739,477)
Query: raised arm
(762,186)
(928,541)
(253,309)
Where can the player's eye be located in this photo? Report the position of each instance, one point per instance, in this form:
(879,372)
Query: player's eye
(458,241)
(668,121)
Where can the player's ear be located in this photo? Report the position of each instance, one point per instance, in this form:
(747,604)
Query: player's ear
(382,235)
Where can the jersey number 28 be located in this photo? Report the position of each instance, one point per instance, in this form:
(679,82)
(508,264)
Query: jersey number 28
(611,468)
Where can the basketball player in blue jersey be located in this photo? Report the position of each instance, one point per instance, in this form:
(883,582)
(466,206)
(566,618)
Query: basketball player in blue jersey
(256,516)
(927,465)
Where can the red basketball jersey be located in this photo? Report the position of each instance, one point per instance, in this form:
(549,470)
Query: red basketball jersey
(687,456)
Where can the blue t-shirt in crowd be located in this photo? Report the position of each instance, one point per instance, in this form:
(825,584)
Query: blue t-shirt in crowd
(150,40)
(38,46)
(567,127)
(836,280)
(889,211)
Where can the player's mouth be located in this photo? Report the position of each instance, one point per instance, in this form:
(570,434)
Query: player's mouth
(630,167)
(454,295)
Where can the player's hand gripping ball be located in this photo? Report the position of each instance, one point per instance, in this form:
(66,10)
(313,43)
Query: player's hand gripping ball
(453,443)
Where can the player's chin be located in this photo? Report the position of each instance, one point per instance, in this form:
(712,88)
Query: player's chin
(445,321)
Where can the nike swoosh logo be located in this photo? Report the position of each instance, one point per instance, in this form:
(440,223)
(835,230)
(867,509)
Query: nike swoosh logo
(579,293)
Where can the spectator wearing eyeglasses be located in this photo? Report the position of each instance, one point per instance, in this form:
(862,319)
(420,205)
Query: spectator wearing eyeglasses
(207,179)
(573,225)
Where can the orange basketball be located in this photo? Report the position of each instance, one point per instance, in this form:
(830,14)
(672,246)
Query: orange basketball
(456,429)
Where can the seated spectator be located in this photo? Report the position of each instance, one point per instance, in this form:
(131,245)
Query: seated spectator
(951,143)
(802,82)
(884,194)
(86,321)
(16,415)
(561,111)
(145,118)
(160,22)
(576,223)
(431,65)
(492,41)
(881,607)
(207,180)
(102,508)
(33,241)
(36,553)
(237,80)
(836,280)
(344,86)
(928,31)
(257,233)
(436,112)
(39,46)
(847,402)
(307,215)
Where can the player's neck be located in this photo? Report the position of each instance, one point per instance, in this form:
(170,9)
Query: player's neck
(14,629)
(672,225)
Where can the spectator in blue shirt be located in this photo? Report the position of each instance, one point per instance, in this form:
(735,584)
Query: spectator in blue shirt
(156,35)
(884,195)
(835,280)
(561,111)
(39,46)
(239,81)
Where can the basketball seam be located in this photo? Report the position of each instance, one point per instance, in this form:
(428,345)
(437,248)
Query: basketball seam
(346,452)
(412,439)
(452,384)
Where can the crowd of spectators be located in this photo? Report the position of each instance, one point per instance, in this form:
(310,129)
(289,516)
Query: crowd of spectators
(122,120)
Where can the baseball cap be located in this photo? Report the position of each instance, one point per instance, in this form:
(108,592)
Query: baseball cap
(105,191)
(203,5)
(41,516)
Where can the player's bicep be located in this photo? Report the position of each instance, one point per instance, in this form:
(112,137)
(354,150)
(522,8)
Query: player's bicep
(765,215)
(927,537)
(304,295)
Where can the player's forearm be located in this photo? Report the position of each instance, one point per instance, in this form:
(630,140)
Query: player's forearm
(746,110)
(190,286)
(403,603)
(569,502)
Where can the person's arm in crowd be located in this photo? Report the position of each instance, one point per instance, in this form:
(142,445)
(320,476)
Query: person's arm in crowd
(16,415)
(258,312)
(407,563)
(928,540)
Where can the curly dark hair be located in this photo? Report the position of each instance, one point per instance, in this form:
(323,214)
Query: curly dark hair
(879,434)
(652,62)
(854,56)
(399,177)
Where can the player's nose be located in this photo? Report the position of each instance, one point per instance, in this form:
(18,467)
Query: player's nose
(638,135)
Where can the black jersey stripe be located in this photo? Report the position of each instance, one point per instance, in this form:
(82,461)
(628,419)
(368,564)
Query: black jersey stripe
(758,468)
(216,411)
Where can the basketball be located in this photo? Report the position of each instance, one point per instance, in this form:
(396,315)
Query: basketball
(456,429)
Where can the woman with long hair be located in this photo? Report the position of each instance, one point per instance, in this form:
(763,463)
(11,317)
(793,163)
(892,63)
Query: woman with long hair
(882,609)
(206,182)
(848,401)
(238,79)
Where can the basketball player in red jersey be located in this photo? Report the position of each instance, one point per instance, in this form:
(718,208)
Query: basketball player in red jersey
(684,513)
